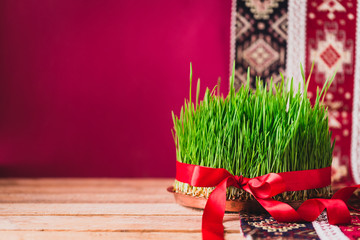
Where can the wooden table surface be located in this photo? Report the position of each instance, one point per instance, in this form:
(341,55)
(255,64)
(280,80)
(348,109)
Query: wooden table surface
(98,209)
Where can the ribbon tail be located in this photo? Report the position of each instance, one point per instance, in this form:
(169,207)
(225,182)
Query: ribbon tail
(212,219)
(345,193)
(280,211)
(343,196)
(337,211)
(309,211)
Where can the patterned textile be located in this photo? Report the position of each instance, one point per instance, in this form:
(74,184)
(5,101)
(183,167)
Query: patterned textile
(352,231)
(326,231)
(261,36)
(265,227)
(276,35)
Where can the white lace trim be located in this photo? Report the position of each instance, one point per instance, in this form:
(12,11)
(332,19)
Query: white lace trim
(326,231)
(232,36)
(296,40)
(355,133)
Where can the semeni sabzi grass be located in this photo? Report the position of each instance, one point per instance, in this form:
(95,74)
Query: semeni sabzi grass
(254,132)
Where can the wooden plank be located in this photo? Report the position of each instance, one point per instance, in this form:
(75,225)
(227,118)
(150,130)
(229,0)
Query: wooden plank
(165,197)
(77,209)
(87,182)
(24,235)
(85,190)
(112,223)
(82,189)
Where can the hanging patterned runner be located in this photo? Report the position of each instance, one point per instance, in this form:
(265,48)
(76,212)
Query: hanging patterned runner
(330,43)
(276,35)
(260,39)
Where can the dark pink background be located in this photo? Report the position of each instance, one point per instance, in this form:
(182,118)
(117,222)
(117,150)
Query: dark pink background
(87,87)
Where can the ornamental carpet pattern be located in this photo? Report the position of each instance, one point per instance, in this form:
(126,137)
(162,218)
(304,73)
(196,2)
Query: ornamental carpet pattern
(265,227)
(274,36)
(261,36)
(352,231)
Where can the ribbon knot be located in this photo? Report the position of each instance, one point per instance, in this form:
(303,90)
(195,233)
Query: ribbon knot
(263,187)
(241,181)
(266,186)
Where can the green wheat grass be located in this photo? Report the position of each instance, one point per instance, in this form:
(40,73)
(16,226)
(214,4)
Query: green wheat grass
(255,132)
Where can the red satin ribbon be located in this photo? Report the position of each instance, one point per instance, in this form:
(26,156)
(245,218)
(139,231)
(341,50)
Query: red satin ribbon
(263,188)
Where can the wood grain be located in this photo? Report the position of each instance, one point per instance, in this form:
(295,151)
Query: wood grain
(98,209)
(21,235)
(81,189)
(92,182)
(85,198)
(110,223)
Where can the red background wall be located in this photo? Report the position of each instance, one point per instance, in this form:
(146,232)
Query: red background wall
(87,86)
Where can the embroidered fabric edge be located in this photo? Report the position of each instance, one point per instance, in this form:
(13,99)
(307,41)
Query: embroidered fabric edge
(326,231)
(232,36)
(296,44)
(355,133)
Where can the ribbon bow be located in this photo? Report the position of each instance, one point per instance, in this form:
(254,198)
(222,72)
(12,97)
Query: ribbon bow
(263,188)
